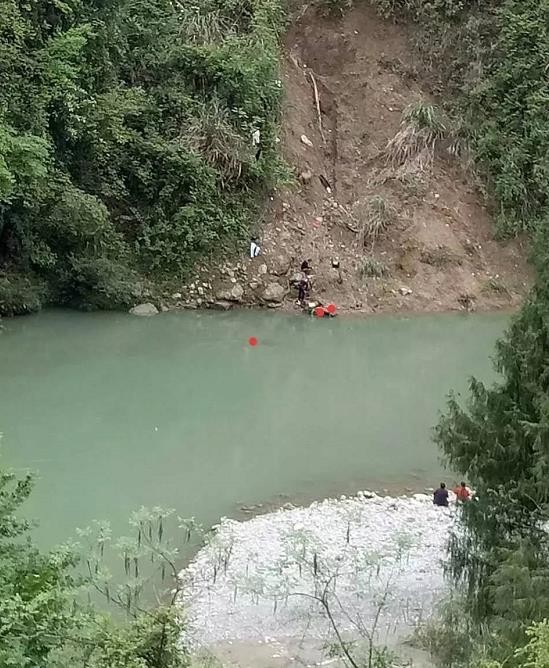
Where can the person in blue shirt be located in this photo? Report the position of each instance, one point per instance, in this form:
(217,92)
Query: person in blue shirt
(440,497)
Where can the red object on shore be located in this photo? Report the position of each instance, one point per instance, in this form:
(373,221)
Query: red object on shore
(331,308)
(319,312)
(252,341)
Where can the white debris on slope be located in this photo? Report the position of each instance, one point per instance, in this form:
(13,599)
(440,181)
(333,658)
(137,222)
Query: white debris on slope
(257,580)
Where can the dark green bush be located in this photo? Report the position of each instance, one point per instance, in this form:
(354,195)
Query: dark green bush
(20,294)
(126,136)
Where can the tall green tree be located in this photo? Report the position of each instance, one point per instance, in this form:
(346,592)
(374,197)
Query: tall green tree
(500,440)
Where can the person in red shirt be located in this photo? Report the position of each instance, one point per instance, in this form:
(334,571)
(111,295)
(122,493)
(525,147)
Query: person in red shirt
(462,493)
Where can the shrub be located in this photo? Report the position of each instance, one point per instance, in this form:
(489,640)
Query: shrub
(20,294)
(335,6)
(375,216)
(372,268)
(422,127)
(98,282)
(213,135)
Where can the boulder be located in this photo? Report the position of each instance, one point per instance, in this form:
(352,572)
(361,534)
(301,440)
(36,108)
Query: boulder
(296,278)
(262,269)
(280,265)
(305,140)
(274,293)
(144,309)
(221,305)
(231,293)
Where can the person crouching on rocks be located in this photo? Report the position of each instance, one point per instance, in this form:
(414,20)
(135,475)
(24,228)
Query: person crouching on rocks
(440,496)
(462,493)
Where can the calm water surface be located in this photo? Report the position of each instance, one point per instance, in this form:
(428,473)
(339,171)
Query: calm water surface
(114,411)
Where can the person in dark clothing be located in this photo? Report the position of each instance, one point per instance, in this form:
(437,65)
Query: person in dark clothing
(302,289)
(306,267)
(440,497)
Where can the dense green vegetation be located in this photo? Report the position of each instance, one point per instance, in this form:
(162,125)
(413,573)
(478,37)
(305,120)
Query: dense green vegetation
(126,140)
(500,440)
(45,621)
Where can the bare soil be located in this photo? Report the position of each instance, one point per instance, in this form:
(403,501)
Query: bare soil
(295,653)
(438,252)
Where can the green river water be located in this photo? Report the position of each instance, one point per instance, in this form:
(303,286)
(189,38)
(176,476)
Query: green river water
(114,411)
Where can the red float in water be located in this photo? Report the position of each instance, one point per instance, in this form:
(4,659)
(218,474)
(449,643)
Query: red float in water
(331,308)
(252,341)
(319,312)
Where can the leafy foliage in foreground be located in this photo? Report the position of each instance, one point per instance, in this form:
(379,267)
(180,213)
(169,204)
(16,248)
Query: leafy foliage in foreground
(126,139)
(500,440)
(43,620)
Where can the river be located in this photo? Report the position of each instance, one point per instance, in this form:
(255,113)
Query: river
(113,412)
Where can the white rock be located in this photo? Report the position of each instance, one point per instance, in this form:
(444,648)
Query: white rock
(233,293)
(305,140)
(146,309)
(274,292)
(361,540)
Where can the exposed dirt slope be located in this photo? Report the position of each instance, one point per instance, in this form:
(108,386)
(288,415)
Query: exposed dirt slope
(438,252)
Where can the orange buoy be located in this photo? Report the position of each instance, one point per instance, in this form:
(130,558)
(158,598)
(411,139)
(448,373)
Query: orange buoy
(319,312)
(331,308)
(253,341)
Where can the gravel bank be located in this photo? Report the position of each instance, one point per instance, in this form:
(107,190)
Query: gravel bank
(258,580)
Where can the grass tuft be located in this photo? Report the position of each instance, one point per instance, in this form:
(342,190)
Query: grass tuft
(373,268)
(422,127)
(211,134)
(375,216)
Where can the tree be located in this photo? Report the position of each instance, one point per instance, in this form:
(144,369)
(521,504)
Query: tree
(500,440)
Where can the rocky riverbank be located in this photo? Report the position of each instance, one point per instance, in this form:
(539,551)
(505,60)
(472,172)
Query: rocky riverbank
(374,560)
(409,236)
